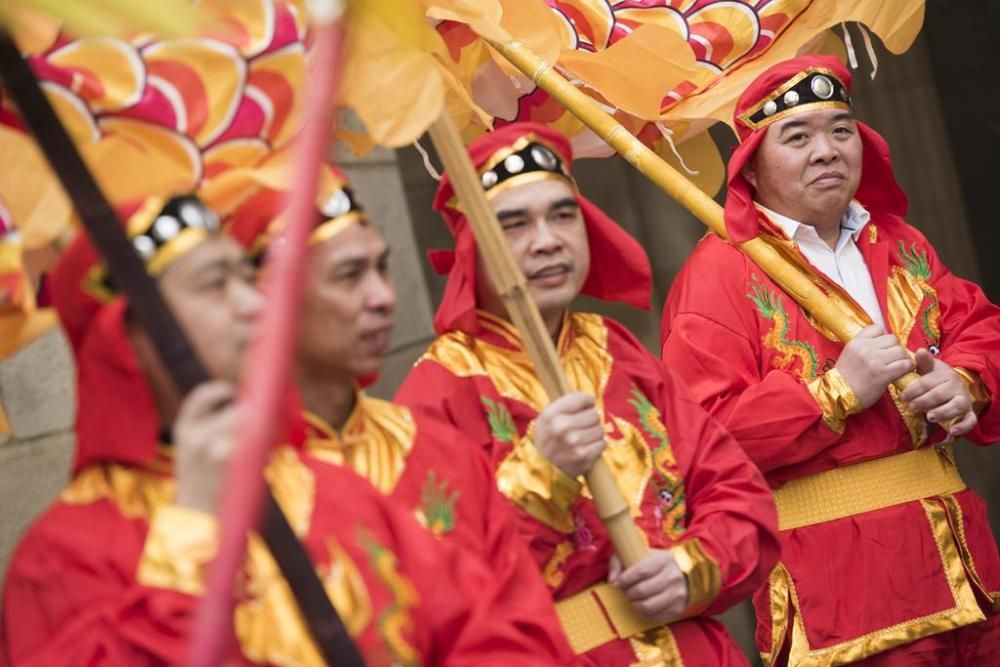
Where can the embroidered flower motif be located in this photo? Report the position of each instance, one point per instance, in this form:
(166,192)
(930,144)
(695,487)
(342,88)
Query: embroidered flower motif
(582,535)
(437,505)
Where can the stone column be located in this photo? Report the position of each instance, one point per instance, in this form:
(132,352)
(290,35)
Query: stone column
(36,391)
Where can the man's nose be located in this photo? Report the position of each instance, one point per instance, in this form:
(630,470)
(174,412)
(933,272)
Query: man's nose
(824,149)
(381,293)
(544,239)
(247,299)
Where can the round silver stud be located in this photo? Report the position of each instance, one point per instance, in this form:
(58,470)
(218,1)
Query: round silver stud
(791,98)
(489,179)
(544,158)
(770,108)
(166,227)
(145,246)
(514,164)
(211,220)
(336,204)
(192,215)
(822,87)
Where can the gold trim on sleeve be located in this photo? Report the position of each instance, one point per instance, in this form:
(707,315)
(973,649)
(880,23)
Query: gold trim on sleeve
(978,392)
(835,398)
(704,578)
(179,546)
(540,488)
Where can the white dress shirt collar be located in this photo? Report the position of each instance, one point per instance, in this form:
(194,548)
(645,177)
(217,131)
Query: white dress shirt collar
(854,220)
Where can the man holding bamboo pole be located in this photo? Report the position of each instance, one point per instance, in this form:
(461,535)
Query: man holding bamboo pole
(112,572)
(885,552)
(700,505)
(423,463)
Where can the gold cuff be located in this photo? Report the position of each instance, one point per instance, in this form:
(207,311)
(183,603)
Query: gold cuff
(704,579)
(835,398)
(977,389)
(539,487)
(179,546)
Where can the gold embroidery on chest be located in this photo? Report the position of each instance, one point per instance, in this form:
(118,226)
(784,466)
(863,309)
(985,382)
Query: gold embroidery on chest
(394,621)
(908,288)
(630,460)
(771,307)
(552,572)
(375,442)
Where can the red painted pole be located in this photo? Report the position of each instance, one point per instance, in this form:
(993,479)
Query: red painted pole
(269,361)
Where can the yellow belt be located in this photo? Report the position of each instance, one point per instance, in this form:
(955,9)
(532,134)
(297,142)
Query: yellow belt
(598,615)
(868,486)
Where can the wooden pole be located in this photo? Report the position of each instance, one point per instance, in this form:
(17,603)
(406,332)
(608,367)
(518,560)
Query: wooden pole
(796,284)
(512,286)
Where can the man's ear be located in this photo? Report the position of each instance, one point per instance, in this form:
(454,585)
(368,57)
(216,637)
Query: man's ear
(749,172)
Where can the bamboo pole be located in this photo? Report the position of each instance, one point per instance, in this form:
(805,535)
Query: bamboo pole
(796,284)
(512,286)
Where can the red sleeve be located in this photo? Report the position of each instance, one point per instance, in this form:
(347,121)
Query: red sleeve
(970,337)
(730,509)
(71,598)
(710,340)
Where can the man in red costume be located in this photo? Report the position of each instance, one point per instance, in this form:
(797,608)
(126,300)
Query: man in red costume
(422,462)
(110,574)
(887,557)
(703,509)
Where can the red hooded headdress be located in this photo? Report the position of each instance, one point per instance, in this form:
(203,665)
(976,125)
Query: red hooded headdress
(514,154)
(798,85)
(116,417)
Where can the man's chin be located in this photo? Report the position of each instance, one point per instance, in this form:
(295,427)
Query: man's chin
(366,371)
(556,299)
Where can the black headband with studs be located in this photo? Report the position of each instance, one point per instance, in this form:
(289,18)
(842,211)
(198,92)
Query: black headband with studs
(533,158)
(334,213)
(812,89)
(158,239)
(160,232)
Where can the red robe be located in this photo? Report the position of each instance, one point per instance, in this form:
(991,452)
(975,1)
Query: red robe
(863,584)
(110,574)
(689,486)
(430,468)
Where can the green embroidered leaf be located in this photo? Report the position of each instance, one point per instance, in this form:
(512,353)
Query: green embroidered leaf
(438,505)
(915,261)
(501,422)
(766,300)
